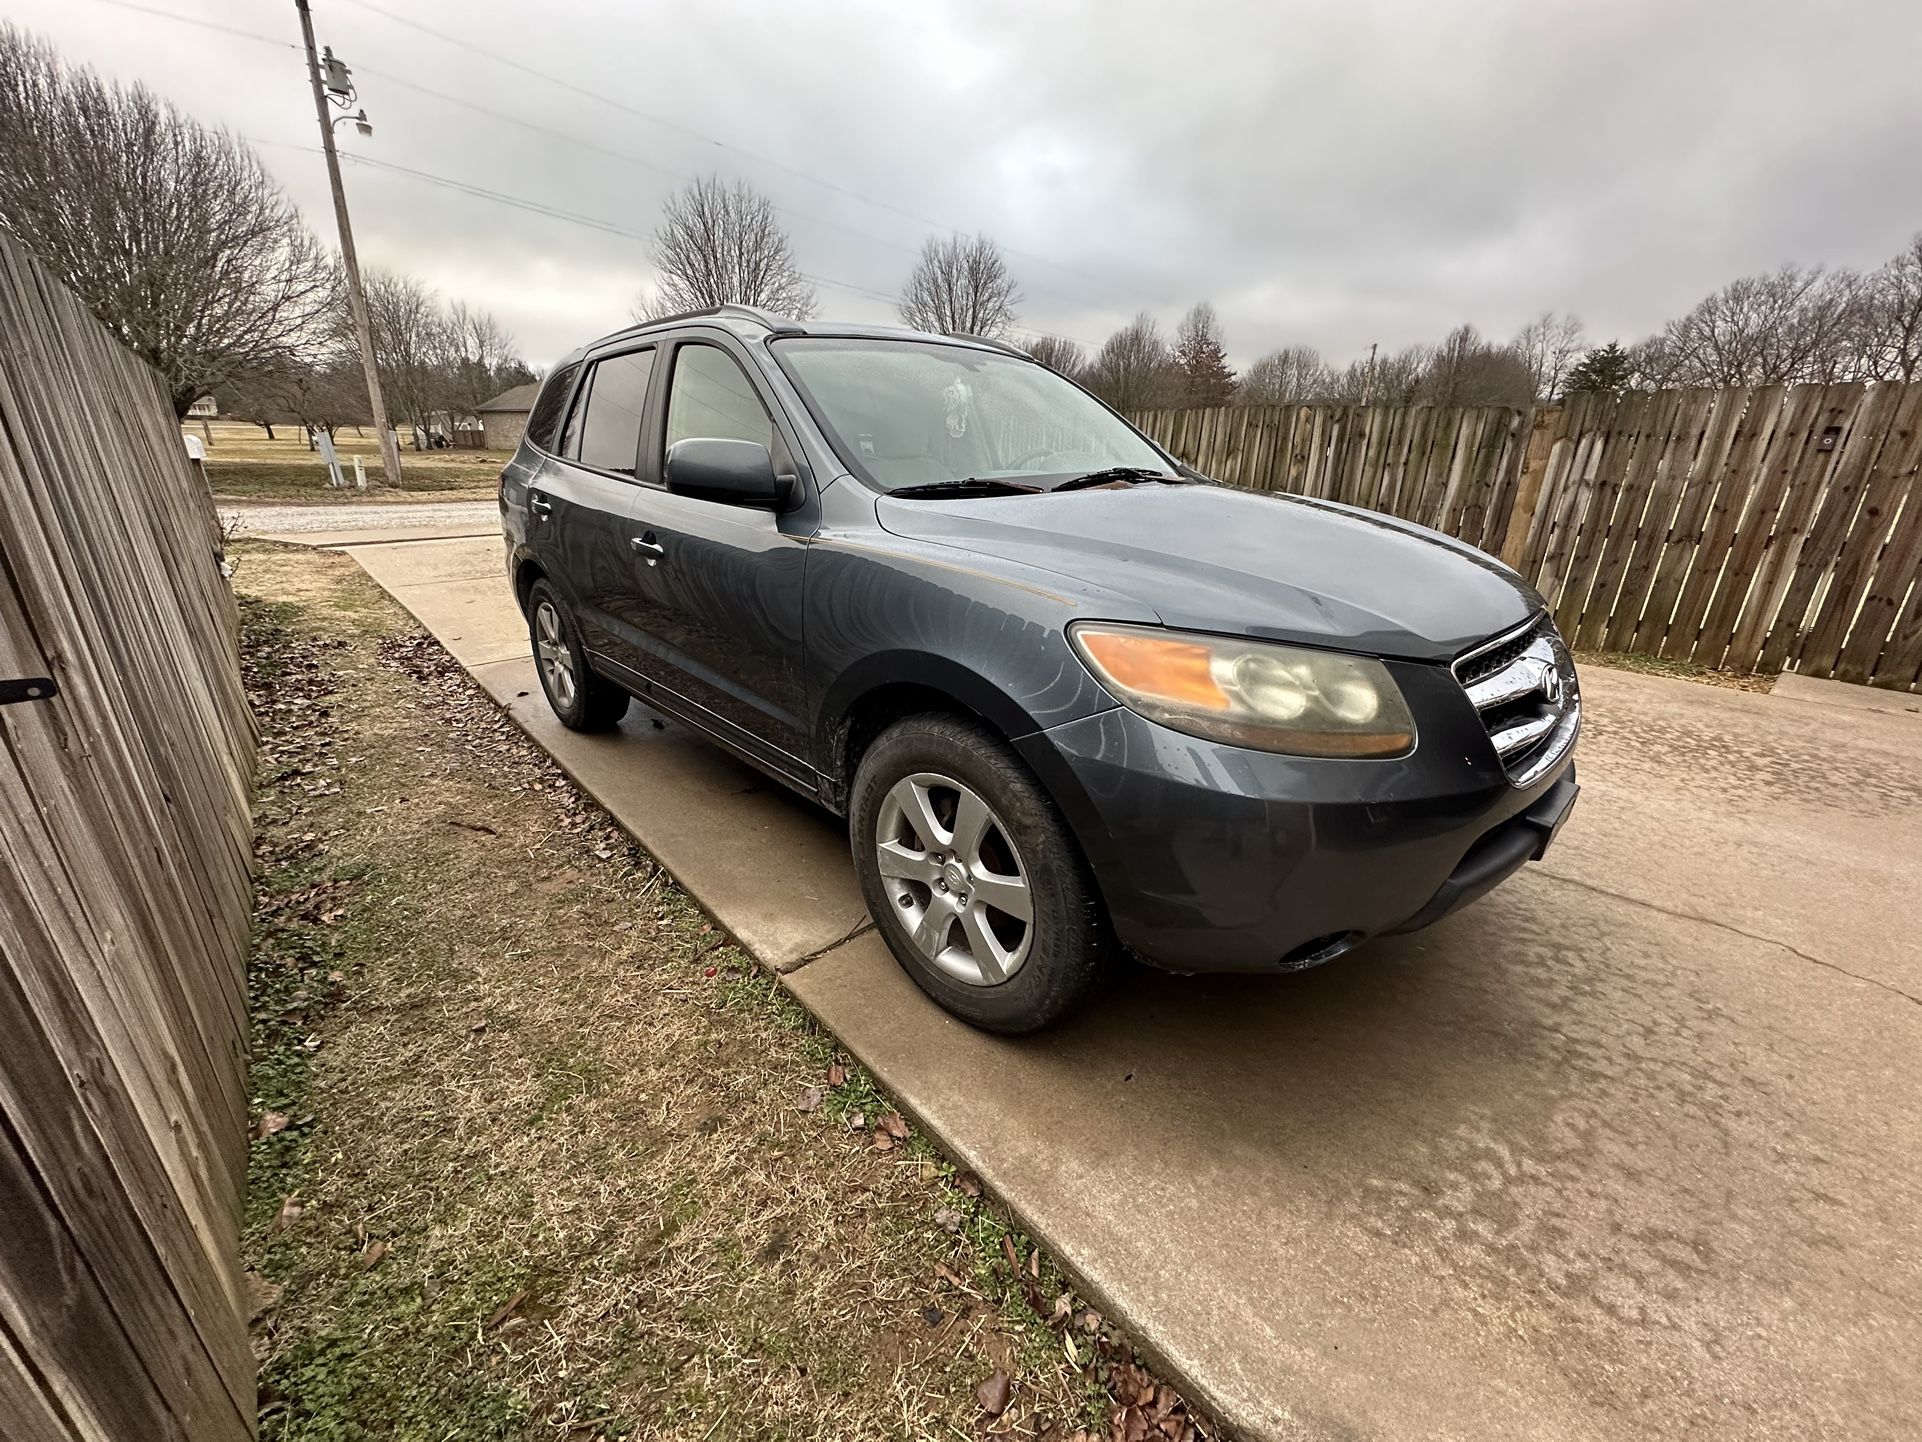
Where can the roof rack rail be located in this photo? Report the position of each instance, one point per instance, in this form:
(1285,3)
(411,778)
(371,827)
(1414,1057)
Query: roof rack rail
(780,325)
(999,345)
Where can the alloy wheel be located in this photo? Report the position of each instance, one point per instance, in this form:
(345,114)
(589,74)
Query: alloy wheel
(956,880)
(556,660)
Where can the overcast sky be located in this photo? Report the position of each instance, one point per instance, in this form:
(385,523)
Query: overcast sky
(1333,173)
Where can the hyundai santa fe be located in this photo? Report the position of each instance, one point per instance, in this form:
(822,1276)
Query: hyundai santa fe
(1073,698)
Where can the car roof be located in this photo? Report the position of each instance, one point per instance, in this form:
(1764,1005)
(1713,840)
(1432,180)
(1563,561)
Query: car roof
(752,323)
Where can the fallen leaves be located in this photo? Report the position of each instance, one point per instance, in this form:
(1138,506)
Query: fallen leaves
(270,1123)
(811,1100)
(373,1256)
(289,1213)
(995,1392)
(837,1075)
(507,1309)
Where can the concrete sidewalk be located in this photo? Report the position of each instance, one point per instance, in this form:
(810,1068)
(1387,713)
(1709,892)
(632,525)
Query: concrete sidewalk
(1629,1149)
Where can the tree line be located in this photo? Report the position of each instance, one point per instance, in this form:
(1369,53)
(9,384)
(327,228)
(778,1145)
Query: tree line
(180,242)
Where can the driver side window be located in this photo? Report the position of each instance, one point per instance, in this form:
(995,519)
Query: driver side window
(712,397)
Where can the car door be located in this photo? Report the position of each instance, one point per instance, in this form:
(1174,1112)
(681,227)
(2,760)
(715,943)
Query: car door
(579,504)
(722,583)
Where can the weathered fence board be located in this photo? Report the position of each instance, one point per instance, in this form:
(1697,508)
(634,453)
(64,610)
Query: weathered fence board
(125,893)
(1767,528)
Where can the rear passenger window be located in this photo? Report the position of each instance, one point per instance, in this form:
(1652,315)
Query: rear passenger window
(545,419)
(712,398)
(605,429)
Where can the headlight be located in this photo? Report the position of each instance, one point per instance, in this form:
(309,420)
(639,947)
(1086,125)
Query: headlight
(1251,693)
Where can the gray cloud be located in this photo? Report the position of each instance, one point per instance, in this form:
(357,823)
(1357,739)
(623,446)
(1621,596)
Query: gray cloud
(1327,173)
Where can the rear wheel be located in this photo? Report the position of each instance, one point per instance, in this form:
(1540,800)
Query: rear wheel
(972,877)
(581,699)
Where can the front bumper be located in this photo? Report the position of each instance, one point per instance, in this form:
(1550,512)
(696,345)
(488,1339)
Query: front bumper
(1215,858)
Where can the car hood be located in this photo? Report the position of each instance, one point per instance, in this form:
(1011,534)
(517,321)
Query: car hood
(1210,558)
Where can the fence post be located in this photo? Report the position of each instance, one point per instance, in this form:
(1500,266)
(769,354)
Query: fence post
(1528,489)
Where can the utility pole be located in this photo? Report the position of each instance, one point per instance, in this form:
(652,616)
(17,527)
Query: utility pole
(1368,383)
(356,298)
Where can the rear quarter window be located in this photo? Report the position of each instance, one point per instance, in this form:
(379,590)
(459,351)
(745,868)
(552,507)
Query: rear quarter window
(544,421)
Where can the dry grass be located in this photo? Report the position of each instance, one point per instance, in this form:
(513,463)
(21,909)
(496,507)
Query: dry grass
(242,464)
(566,1162)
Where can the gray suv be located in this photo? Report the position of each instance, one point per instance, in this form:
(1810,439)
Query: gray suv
(1071,696)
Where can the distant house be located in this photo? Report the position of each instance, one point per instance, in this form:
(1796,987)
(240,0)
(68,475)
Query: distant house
(505,417)
(203,409)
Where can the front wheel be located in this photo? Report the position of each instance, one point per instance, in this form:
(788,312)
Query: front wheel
(972,877)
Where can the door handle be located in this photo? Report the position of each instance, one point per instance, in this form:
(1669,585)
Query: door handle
(649,547)
(539,504)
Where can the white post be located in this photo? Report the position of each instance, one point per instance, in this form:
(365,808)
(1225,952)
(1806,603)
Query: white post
(360,475)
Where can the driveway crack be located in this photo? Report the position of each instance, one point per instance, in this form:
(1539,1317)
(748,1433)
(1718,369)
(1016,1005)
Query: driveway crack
(1680,915)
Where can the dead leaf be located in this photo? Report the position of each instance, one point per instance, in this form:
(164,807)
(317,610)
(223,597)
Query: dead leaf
(811,1099)
(994,1393)
(1091,1321)
(894,1126)
(269,1123)
(948,1219)
(968,1182)
(882,1141)
(1067,1343)
(837,1075)
(1008,1251)
(1034,1263)
(371,1258)
(506,1309)
(856,1121)
(950,1276)
(289,1213)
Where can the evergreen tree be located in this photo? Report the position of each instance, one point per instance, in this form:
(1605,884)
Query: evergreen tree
(1205,376)
(1606,368)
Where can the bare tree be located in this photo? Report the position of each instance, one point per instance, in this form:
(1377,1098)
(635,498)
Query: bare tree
(962,287)
(1293,373)
(1548,345)
(1383,380)
(413,342)
(1134,369)
(481,357)
(1059,354)
(173,235)
(1890,338)
(722,244)
(1792,324)
(1466,370)
(1200,360)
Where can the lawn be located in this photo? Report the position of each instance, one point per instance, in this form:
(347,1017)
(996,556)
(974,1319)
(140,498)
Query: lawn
(540,1153)
(243,465)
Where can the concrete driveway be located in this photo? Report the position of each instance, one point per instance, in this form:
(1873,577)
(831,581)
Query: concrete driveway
(1630,1149)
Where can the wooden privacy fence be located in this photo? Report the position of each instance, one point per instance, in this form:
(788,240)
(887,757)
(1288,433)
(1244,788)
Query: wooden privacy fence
(1757,528)
(125,895)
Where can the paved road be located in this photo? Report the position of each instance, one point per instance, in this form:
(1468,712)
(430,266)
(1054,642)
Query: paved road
(1629,1149)
(302,520)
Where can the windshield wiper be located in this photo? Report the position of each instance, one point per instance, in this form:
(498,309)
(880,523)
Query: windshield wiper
(967,486)
(1117,473)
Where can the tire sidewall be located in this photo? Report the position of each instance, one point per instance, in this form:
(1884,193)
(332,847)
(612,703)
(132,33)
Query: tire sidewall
(570,636)
(1070,945)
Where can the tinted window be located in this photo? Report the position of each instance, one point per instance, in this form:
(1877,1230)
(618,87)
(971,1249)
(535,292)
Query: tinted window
(609,433)
(712,397)
(545,418)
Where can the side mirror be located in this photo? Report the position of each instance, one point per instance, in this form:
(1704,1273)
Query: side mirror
(735,473)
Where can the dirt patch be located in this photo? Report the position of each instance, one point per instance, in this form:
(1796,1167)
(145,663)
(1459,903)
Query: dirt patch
(540,1152)
(1677,670)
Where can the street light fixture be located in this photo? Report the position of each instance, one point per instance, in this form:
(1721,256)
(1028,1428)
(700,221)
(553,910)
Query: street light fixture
(333,84)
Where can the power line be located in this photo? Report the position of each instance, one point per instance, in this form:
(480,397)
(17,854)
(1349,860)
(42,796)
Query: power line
(694,134)
(203,24)
(583,143)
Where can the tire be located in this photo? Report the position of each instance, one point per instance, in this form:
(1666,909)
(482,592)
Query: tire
(945,886)
(581,700)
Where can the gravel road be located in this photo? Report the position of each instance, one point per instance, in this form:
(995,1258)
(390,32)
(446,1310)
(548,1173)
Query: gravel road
(261,520)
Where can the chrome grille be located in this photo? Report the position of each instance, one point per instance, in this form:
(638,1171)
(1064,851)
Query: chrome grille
(1522,684)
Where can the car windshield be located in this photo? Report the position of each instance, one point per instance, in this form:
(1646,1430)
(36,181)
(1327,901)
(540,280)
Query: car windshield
(906,413)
